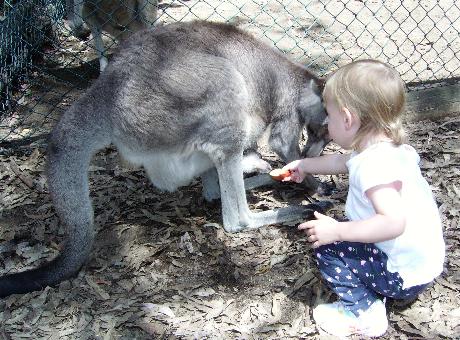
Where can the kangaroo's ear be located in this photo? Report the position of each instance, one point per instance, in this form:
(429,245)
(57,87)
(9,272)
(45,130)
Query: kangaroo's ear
(319,84)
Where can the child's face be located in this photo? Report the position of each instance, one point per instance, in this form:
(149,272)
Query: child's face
(342,125)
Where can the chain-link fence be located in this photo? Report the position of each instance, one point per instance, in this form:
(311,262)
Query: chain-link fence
(44,67)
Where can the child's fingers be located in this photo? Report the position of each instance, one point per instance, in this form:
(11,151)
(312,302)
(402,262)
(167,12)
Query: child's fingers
(305,225)
(292,179)
(308,224)
(298,179)
(312,238)
(312,223)
(316,244)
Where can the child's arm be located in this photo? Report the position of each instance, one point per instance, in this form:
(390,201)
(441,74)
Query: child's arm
(323,165)
(388,222)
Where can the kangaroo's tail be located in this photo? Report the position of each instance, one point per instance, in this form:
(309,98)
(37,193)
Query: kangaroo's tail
(73,142)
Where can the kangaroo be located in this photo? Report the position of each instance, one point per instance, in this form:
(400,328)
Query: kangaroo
(119,18)
(182,100)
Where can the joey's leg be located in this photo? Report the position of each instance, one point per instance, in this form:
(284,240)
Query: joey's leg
(99,45)
(257,181)
(252,162)
(210,182)
(211,189)
(311,183)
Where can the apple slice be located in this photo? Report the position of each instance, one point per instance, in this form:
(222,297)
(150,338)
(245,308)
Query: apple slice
(279,174)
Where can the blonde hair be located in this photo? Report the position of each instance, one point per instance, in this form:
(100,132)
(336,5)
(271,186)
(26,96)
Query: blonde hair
(375,92)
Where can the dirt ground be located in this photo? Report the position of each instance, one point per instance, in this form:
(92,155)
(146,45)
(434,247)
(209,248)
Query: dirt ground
(162,266)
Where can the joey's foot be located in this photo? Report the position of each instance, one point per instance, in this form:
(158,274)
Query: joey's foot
(252,163)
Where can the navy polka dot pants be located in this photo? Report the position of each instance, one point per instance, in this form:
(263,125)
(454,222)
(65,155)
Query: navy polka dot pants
(357,273)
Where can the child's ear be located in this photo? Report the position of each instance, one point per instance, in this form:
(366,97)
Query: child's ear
(349,118)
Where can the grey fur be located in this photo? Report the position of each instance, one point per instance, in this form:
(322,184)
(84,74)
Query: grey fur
(182,100)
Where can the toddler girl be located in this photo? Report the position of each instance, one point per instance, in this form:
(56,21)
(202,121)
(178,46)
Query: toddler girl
(392,245)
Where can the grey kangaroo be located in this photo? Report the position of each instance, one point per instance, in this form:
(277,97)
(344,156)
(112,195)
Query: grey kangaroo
(182,100)
(119,18)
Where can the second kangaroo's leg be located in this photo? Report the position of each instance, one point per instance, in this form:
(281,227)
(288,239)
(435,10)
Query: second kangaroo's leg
(148,12)
(75,18)
(99,45)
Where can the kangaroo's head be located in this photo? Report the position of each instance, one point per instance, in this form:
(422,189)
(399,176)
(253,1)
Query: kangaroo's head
(312,112)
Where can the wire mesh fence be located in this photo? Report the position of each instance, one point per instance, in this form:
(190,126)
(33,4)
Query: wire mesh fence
(44,67)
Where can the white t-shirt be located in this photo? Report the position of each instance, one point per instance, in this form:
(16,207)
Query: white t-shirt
(418,253)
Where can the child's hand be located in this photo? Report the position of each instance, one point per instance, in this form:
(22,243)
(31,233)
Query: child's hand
(296,173)
(323,230)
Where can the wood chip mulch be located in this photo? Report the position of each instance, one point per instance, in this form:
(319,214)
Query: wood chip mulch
(163,268)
